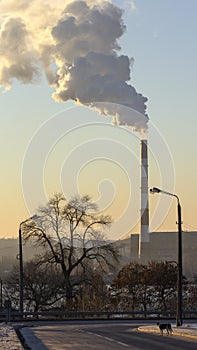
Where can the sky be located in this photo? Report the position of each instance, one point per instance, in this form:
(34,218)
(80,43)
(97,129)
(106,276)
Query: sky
(50,143)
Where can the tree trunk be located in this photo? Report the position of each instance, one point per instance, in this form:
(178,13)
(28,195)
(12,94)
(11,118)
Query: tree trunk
(68,285)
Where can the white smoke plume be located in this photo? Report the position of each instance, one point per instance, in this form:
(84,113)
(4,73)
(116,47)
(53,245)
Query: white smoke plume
(75,43)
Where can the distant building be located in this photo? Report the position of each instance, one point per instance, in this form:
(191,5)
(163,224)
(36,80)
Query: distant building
(162,246)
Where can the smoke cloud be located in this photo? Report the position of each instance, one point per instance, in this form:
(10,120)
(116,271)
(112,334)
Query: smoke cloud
(75,44)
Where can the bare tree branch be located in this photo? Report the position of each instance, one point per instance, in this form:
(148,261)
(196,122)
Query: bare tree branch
(70,234)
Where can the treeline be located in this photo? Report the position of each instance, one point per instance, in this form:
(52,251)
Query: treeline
(136,287)
(77,266)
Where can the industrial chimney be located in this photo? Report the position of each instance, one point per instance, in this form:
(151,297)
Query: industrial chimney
(144,234)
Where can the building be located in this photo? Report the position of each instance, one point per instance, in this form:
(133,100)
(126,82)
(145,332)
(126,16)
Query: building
(162,246)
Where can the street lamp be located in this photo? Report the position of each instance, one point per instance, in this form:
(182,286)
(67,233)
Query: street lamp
(180,268)
(1,293)
(20,255)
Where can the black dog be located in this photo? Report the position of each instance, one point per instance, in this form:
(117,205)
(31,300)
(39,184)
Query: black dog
(165,326)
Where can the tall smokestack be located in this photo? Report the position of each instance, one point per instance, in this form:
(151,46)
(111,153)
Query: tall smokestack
(144,234)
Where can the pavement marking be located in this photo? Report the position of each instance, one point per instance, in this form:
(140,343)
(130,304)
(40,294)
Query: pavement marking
(123,344)
(103,337)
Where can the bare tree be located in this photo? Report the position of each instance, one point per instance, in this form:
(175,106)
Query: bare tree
(11,286)
(92,293)
(140,286)
(128,286)
(189,295)
(71,234)
(163,276)
(43,287)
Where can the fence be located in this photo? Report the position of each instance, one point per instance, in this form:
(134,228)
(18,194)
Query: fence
(13,315)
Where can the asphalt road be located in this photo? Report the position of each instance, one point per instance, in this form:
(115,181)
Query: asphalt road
(100,336)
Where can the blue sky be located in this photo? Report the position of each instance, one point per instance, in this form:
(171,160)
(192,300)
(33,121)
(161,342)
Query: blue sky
(161,37)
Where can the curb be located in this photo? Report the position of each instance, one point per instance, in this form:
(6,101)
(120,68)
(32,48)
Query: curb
(175,332)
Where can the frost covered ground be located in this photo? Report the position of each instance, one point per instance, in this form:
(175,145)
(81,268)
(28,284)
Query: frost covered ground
(8,338)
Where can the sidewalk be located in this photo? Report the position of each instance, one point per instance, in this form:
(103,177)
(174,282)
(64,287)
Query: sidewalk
(187,330)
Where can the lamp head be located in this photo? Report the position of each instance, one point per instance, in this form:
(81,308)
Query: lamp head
(155,190)
(35,217)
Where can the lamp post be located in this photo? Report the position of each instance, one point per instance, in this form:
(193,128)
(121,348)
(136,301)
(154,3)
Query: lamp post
(20,255)
(1,293)
(180,267)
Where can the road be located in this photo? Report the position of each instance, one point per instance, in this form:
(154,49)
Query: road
(100,336)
